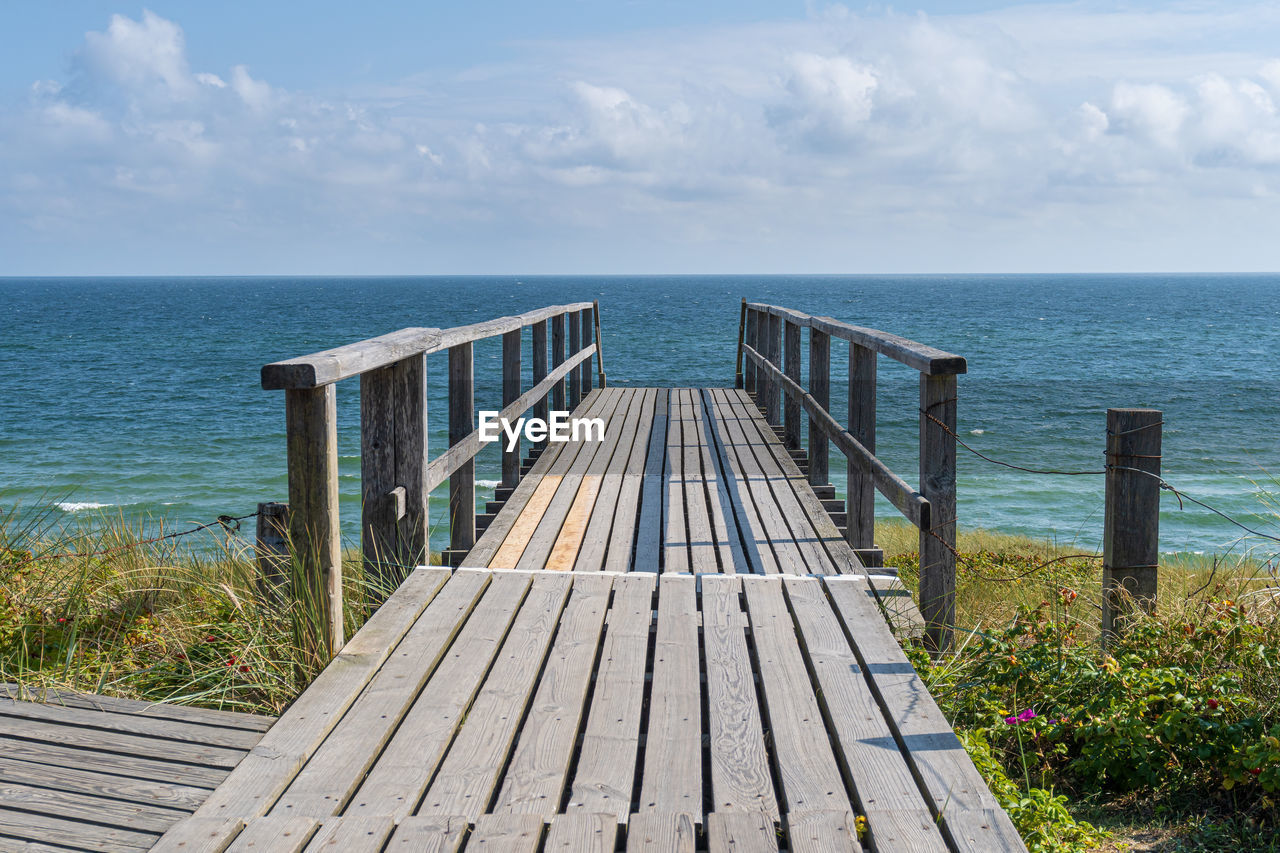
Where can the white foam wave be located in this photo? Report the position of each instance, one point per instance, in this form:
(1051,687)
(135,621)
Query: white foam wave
(77,506)
(976,431)
(488,484)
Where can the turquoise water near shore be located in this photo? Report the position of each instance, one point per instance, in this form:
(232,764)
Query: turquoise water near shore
(141,395)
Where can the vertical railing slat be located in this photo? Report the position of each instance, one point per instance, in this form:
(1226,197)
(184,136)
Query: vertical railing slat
(820,390)
(588,327)
(462,483)
(862,425)
(791,366)
(511,342)
(752,340)
(539,341)
(575,344)
(938,485)
(557,359)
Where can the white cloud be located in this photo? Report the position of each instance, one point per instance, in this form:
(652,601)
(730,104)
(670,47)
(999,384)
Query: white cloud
(255,93)
(1151,110)
(148,54)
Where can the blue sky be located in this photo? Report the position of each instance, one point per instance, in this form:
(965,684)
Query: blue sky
(642,137)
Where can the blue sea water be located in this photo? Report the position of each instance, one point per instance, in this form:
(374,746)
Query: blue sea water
(141,394)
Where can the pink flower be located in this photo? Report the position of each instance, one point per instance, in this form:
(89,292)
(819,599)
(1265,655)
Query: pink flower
(1024,716)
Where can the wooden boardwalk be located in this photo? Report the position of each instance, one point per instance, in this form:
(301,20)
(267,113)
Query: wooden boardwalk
(81,772)
(661,642)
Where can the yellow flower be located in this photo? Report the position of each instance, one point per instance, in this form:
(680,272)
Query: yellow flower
(860,825)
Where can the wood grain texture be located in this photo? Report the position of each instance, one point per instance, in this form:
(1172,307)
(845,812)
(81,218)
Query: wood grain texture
(197,835)
(938,484)
(791,367)
(829,832)
(351,835)
(649,525)
(672,780)
(462,482)
(740,832)
(658,832)
(506,833)
(429,834)
(580,831)
(1131,515)
(275,835)
(820,390)
(575,344)
(511,343)
(862,426)
(601,535)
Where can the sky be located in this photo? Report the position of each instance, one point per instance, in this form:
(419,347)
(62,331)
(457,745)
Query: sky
(590,137)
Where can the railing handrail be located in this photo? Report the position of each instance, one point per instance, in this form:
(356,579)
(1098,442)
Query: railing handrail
(924,358)
(334,365)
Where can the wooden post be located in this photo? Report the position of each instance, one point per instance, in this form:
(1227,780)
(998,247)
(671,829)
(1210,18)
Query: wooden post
(510,393)
(311,424)
(462,483)
(773,390)
(393,456)
(1131,523)
(791,408)
(595,304)
(938,485)
(861,501)
(752,340)
(575,376)
(738,380)
(539,336)
(820,390)
(585,368)
(557,359)
(271,548)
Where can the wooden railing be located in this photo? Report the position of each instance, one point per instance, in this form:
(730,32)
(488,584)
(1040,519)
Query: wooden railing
(397,472)
(769,350)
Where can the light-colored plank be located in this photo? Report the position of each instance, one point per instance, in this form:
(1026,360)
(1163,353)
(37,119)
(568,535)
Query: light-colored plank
(478,754)
(130,766)
(352,835)
(325,784)
(98,722)
(757,521)
(606,764)
(740,775)
(723,524)
(506,833)
(88,779)
(429,834)
(198,835)
(753,554)
(658,832)
(649,527)
(675,542)
(117,705)
(266,771)
(626,515)
(703,556)
(740,832)
(581,832)
(881,777)
(597,536)
(535,781)
(117,813)
(127,744)
(397,779)
(672,780)
(810,778)
(829,832)
(275,834)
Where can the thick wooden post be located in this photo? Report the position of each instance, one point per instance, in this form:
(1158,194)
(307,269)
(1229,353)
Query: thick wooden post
(585,368)
(510,393)
(539,340)
(938,484)
(462,483)
(557,359)
(861,502)
(595,305)
(739,380)
(773,397)
(791,408)
(820,390)
(575,376)
(393,466)
(271,548)
(752,340)
(1131,523)
(311,423)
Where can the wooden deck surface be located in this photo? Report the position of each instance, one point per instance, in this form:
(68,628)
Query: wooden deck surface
(661,642)
(81,772)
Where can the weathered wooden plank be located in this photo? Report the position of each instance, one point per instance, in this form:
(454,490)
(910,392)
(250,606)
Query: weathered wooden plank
(938,484)
(703,552)
(649,525)
(140,817)
(580,831)
(862,426)
(88,779)
(70,833)
(1131,516)
(588,329)
(102,721)
(351,835)
(595,306)
(429,834)
(869,754)
(773,352)
(827,832)
(44,731)
(724,526)
(125,765)
(266,771)
(401,773)
(672,780)
(751,339)
(535,781)
(462,482)
(810,778)
(942,769)
(601,536)
(605,772)
(753,553)
(275,834)
(738,379)
(325,784)
(740,832)
(323,368)
(791,367)
(903,829)
(740,775)
(557,359)
(575,344)
(538,341)
(506,833)
(658,832)
(511,342)
(311,424)
(473,766)
(200,835)
(675,544)
(117,705)
(820,389)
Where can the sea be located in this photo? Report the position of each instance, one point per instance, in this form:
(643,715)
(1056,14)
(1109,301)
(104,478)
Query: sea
(140,397)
